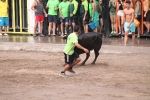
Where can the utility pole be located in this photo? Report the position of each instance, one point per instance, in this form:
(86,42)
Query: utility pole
(106,18)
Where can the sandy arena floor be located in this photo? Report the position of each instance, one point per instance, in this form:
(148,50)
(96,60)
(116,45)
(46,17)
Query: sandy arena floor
(30,75)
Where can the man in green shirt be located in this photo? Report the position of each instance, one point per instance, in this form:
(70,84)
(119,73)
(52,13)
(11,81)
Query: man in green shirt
(71,57)
(73,12)
(84,14)
(64,14)
(52,6)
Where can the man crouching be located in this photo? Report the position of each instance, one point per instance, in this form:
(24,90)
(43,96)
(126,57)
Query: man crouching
(71,57)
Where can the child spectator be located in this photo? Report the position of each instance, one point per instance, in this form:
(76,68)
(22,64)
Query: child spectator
(112,6)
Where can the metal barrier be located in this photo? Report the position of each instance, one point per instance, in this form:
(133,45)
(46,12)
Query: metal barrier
(22,17)
(19,17)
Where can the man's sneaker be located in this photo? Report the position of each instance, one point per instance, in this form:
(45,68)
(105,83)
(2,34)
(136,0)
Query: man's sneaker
(63,74)
(65,32)
(130,33)
(71,71)
(119,33)
(0,34)
(5,34)
(34,35)
(145,34)
(112,32)
(41,35)
(122,32)
(61,35)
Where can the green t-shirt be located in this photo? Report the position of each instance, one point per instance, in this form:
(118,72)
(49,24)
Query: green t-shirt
(64,6)
(73,7)
(71,40)
(91,10)
(51,5)
(85,3)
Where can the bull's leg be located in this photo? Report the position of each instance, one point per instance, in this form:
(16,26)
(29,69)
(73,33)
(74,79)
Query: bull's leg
(87,56)
(96,55)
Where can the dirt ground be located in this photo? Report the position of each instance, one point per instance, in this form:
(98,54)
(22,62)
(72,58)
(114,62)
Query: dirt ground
(26,75)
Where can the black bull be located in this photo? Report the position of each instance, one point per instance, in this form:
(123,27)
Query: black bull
(90,41)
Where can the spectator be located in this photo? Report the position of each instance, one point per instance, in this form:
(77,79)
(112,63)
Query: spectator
(73,12)
(96,14)
(4,20)
(112,6)
(129,22)
(147,16)
(64,16)
(100,16)
(120,14)
(138,12)
(91,10)
(52,6)
(39,10)
(84,14)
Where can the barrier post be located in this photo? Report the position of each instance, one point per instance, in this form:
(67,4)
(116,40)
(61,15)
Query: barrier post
(20,10)
(13,18)
(116,17)
(27,15)
(142,23)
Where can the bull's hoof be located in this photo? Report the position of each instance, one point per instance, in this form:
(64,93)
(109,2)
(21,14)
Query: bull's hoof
(93,63)
(82,64)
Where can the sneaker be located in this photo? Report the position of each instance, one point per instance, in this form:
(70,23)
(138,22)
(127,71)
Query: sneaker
(65,32)
(138,37)
(34,35)
(53,34)
(130,33)
(63,74)
(120,33)
(41,35)
(112,32)
(61,35)
(5,34)
(145,34)
(71,71)
(132,44)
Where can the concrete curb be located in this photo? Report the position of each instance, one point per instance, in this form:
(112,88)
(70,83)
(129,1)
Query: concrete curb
(48,47)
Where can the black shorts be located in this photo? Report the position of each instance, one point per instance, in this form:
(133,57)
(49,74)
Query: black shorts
(69,59)
(148,16)
(139,18)
(52,18)
(100,16)
(74,20)
(86,21)
(58,21)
